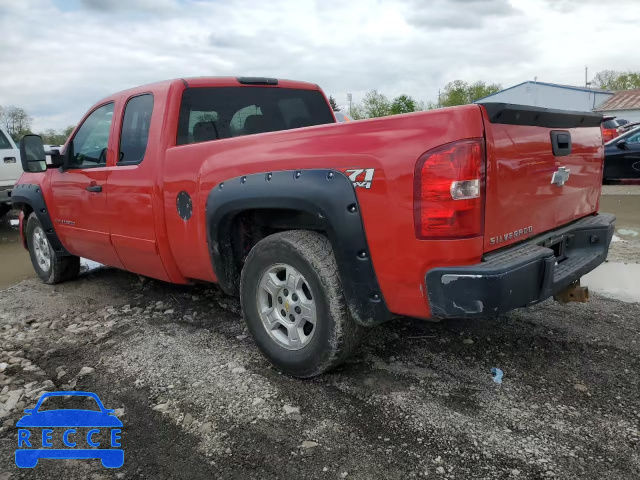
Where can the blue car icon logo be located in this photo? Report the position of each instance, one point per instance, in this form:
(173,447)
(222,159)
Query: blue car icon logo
(83,433)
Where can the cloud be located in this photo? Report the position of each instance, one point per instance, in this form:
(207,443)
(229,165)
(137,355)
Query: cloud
(60,57)
(458,14)
(159,6)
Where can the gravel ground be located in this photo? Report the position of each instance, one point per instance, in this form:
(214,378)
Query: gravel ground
(198,400)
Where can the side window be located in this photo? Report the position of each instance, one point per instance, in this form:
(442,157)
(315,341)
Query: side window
(4,142)
(92,139)
(135,129)
(634,138)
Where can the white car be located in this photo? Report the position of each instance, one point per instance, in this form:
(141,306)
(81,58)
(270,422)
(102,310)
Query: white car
(10,170)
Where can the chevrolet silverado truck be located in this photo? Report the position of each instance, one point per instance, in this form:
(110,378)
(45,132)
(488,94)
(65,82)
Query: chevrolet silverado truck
(322,229)
(10,170)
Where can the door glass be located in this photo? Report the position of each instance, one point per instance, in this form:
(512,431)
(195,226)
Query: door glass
(4,142)
(135,129)
(92,139)
(634,138)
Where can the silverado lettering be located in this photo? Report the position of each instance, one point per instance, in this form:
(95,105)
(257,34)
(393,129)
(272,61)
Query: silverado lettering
(249,183)
(511,235)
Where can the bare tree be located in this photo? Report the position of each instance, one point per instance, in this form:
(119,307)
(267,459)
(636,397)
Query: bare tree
(16,120)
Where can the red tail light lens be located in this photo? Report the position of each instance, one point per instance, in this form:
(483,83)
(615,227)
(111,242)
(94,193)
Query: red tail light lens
(609,134)
(448,192)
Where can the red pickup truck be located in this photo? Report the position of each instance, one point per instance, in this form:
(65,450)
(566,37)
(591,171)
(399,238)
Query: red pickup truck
(322,229)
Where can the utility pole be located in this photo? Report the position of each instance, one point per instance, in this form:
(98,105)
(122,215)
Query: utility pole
(349,98)
(587,83)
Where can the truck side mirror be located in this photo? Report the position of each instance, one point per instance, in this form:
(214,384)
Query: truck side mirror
(57,159)
(32,154)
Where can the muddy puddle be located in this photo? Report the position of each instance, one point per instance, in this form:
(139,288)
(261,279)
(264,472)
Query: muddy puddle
(626,208)
(617,280)
(15,264)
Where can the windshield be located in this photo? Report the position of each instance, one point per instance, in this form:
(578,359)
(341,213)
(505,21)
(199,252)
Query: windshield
(69,402)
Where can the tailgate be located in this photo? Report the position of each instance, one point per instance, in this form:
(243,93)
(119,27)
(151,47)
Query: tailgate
(544,170)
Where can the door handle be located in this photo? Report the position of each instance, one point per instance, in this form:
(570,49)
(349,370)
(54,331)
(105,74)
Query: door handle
(94,188)
(9,159)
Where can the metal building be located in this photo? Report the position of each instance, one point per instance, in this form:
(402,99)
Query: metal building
(551,95)
(624,104)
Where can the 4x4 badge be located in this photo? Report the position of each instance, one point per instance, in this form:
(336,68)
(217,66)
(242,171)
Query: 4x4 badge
(560,176)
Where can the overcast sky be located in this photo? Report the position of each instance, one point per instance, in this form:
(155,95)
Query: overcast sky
(58,57)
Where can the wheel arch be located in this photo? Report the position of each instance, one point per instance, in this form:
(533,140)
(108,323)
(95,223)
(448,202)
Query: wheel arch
(242,210)
(28,197)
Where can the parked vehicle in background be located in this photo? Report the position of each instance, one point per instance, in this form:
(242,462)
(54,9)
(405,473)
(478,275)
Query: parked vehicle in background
(342,117)
(321,229)
(628,126)
(52,148)
(622,157)
(10,170)
(609,128)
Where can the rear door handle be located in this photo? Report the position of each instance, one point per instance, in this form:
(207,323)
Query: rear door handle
(94,188)
(9,159)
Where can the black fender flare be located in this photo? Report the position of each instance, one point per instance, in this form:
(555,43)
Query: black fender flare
(329,196)
(31,194)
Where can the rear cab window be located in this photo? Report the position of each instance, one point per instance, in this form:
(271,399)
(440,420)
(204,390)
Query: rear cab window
(213,113)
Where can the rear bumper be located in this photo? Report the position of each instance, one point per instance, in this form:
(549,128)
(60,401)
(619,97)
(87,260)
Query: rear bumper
(521,275)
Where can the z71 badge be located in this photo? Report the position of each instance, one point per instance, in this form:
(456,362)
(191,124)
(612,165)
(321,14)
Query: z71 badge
(365,181)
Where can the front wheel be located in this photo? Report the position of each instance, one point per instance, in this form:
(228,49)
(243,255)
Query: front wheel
(294,306)
(50,268)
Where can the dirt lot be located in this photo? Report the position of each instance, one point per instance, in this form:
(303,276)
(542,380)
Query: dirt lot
(198,400)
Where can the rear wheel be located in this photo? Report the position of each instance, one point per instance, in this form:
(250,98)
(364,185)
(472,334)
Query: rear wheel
(294,306)
(50,268)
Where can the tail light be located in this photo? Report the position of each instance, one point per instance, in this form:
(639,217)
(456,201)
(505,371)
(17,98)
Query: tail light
(608,134)
(449,191)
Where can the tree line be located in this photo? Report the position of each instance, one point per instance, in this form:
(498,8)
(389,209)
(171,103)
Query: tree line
(615,80)
(375,104)
(17,123)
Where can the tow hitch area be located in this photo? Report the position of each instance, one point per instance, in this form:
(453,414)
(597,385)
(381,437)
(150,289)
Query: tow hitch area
(573,293)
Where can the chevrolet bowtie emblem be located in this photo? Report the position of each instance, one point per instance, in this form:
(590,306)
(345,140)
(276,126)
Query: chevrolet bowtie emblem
(560,176)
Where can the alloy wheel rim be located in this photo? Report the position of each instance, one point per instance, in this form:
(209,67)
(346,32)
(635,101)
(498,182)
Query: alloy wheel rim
(41,249)
(286,306)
